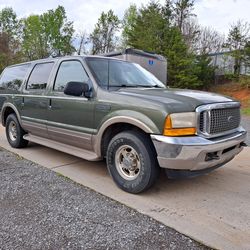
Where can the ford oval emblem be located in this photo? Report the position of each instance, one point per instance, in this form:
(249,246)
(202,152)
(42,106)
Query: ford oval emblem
(230,118)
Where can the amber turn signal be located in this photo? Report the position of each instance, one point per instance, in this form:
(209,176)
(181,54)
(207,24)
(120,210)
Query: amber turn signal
(170,131)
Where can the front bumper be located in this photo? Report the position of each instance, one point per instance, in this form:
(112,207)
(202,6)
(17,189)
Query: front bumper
(194,153)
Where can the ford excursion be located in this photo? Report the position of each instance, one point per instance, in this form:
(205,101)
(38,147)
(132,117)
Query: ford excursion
(102,108)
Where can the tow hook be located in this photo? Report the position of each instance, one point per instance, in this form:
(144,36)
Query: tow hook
(243,144)
(212,156)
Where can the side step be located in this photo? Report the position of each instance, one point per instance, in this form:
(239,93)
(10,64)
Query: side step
(79,152)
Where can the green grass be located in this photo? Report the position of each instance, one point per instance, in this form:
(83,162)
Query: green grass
(246,108)
(246,111)
(63,176)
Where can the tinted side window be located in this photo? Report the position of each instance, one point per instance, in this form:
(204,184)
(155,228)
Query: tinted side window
(39,76)
(69,71)
(12,78)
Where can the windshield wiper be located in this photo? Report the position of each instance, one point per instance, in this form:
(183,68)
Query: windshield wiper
(135,86)
(123,86)
(148,86)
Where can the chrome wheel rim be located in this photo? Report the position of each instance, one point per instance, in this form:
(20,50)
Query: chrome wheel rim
(127,162)
(12,131)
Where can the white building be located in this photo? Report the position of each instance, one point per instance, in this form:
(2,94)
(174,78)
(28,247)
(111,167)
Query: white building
(225,64)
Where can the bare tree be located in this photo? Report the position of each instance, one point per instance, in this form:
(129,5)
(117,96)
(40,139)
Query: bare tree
(209,41)
(237,40)
(84,40)
(103,37)
(201,40)
(191,32)
(239,35)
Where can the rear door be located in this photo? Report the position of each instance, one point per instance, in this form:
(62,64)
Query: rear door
(70,118)
(34,107)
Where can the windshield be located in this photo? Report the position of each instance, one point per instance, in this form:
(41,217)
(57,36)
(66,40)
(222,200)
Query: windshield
(114,73)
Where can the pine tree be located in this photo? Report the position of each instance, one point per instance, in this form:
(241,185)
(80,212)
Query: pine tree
(153,31)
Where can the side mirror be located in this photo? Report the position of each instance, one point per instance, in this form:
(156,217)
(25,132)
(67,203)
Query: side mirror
(76,88)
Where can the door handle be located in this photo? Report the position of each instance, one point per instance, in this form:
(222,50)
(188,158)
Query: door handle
(50,104)
(22,104)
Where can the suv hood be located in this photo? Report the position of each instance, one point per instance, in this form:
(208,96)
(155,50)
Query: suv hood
(191,98)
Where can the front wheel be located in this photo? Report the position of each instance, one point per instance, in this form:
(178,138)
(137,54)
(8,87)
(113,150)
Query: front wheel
(15,133)
(132,162)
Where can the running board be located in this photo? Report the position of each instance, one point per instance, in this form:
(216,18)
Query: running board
(79,152)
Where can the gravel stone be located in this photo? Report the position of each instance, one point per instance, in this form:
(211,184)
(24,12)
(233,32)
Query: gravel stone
(40,209)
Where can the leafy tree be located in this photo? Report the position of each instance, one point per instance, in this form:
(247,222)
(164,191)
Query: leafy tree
(35,42)
(58,30)
(47,34)
(9,23)
(182,11)
(103,37)
(4,51)
(128,21)
(10,31)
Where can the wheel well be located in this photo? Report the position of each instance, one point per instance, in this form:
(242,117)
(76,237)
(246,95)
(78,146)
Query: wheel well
(7,112)
(115,129)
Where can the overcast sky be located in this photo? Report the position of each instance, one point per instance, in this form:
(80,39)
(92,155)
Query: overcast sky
(216,13)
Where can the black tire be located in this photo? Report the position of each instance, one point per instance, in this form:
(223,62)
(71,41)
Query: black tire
(141,150)
(15,139)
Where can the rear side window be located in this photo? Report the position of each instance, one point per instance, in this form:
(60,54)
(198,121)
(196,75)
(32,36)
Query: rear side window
(39,76)
(69,71)
(13,77)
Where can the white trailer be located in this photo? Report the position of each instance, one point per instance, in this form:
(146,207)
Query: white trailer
(154,63)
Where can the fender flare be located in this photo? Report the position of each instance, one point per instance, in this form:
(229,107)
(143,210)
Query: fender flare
(12,106)
(97,139)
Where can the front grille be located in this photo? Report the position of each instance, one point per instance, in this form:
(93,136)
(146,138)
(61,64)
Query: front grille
(219,120)
(224,119)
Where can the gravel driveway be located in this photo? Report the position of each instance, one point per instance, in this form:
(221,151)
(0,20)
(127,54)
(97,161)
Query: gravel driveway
(41,210)
(246,124)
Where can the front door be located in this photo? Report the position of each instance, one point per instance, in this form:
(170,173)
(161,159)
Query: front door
(70,118)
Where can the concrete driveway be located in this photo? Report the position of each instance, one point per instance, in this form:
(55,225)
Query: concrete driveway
(213,209)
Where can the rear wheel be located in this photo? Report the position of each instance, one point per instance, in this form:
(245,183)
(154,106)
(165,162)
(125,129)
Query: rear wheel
(132,162)
(15,133)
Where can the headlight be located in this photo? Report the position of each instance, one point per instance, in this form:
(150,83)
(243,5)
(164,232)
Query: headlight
(180,124)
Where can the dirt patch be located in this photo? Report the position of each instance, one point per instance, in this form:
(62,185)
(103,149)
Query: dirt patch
(234,90)
(242,94)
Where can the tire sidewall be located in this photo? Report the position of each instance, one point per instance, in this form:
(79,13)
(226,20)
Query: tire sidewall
(17,142)
(141,182)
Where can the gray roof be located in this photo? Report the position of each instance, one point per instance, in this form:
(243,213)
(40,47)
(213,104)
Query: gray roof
(136,52)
